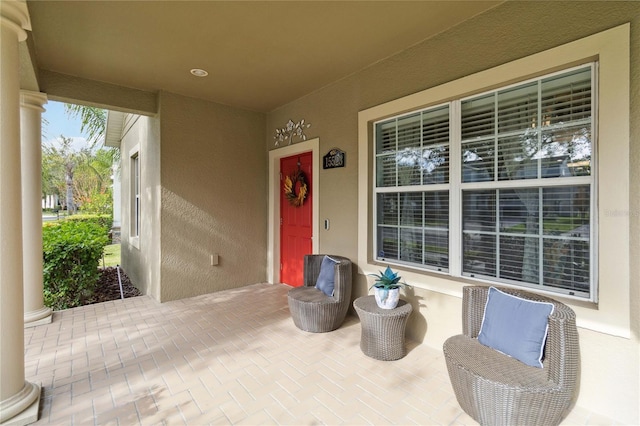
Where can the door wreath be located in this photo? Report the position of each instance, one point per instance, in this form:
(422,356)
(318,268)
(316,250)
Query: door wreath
(290,182)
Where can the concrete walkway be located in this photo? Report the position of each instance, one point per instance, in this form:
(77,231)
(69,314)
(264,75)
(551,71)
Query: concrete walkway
(232,357)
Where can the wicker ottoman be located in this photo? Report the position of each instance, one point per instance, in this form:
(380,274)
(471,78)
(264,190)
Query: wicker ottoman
(382,329)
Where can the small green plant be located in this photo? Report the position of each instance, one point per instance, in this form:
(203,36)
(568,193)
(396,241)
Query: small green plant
(387,280)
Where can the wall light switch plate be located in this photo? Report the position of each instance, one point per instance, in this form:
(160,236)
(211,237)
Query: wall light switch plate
(214,259)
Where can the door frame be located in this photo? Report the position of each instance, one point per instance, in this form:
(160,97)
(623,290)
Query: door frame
(273,247)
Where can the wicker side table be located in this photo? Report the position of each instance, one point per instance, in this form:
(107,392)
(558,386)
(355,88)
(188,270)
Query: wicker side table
(382,329)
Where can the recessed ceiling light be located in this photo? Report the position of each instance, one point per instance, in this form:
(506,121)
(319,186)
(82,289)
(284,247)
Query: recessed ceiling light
(199,72)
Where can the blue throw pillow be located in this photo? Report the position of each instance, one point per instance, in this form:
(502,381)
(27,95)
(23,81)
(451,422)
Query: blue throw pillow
(325,281)
(516,327)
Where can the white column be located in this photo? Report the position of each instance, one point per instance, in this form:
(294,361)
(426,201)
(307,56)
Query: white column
(18,398)
(35,313)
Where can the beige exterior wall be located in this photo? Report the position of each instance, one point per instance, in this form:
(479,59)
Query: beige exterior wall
(202,193)
(141,256)
(610,375)
(213,197)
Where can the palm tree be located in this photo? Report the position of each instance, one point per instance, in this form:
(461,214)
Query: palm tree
(60,164)
(79,174)
(93,121)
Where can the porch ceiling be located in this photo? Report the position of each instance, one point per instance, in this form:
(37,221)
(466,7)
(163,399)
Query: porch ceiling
(259,55)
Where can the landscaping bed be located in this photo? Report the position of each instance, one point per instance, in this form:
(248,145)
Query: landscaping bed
(108,287)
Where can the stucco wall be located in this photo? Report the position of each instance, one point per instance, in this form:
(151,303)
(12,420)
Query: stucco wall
(610,373)
(213,197)
(141,259)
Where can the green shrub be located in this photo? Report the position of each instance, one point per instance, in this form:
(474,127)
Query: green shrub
(72,250)
(102,220)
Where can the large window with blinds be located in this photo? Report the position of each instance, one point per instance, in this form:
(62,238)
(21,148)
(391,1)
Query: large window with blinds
(517,164)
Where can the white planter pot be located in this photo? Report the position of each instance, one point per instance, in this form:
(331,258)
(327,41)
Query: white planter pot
(387,299)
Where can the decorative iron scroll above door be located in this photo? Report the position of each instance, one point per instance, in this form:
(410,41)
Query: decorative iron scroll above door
(290,130)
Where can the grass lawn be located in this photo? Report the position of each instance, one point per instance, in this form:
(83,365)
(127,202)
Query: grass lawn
(111,255)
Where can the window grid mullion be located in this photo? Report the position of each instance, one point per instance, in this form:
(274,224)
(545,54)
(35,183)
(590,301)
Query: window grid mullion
(540,237)
(540,192)
(397,172)
(398,224)
(399,255)
(423,256)
(497,232)
(539,128)
(422,147)
(495,178)
(415,188)
(455,192)
(529,183)
(496,161)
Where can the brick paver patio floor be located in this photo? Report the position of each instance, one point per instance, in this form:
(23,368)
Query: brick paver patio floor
(232,357)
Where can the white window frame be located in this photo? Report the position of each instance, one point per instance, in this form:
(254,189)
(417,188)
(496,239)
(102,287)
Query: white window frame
(455,187)
(134,204)
(608,309)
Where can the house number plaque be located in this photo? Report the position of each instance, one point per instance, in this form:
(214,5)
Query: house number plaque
(334,159)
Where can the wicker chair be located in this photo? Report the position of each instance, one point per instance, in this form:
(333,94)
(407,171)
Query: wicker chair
(310,308)
(495,389)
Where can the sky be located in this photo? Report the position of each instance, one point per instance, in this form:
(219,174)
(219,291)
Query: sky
(59,123)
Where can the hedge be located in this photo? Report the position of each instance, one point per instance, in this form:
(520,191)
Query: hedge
(72,250)
(103,220)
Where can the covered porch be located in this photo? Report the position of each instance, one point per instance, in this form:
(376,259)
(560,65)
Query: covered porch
(232,357)
(208,189)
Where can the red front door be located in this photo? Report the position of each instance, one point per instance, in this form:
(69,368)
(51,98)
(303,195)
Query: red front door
(296,217)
